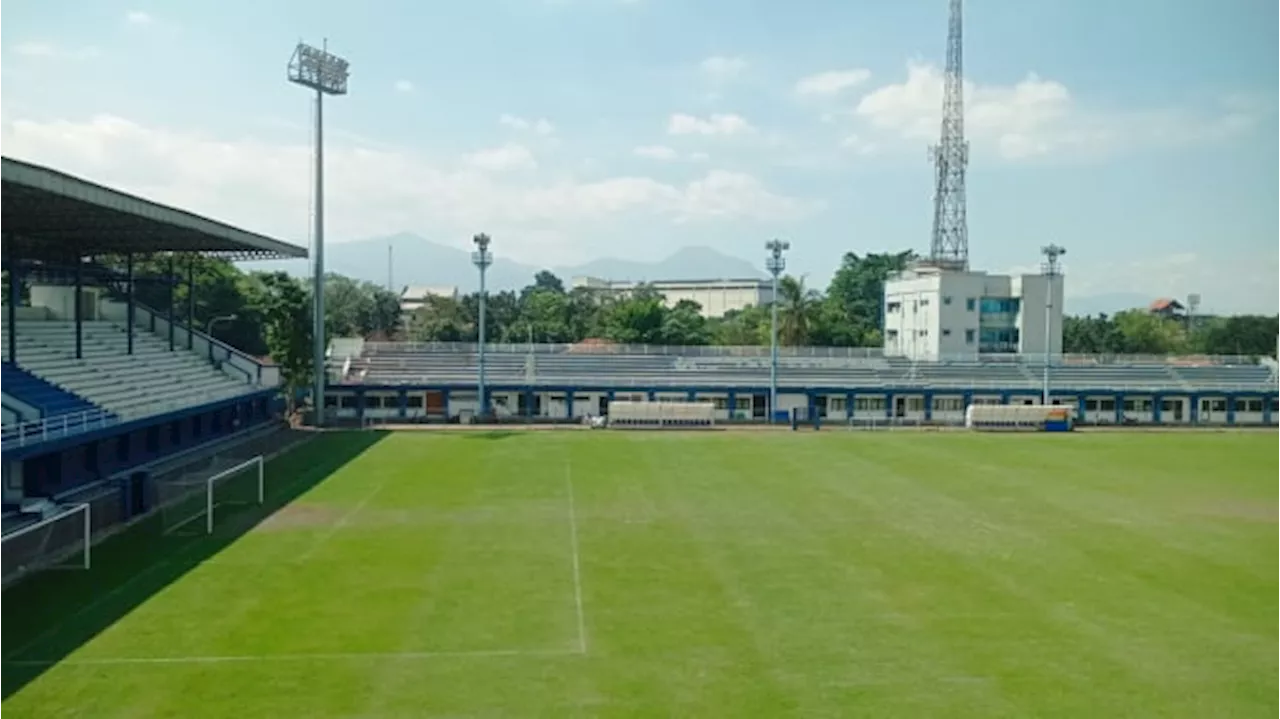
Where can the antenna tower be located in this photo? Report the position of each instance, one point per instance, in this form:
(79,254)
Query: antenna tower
(950,243)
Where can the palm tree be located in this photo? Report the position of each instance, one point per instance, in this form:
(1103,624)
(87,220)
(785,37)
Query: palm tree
(797,311)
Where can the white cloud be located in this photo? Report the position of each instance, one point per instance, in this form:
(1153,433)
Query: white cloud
(832,82)
(859,145)
(656,152)
(541,126)
(404,86)
(1034,117)
(374,190)
(47,50)
(719,67)
(717,124)
(499,159)
(138,17)
(699,156)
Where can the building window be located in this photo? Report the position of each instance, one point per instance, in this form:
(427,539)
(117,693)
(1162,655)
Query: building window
(413,401)
(892,334)
(968,337)
(893,307)
(924,302)
(922,333)
(836,404)
(868,404)
(720,402)
(946,332)
(970,303)
(946,300)
(1000,305)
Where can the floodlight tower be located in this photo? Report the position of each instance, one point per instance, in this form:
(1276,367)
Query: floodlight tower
(482,258)
(1050,269)
(316,69)
(775,263)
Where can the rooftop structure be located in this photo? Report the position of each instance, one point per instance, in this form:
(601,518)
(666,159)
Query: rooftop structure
(715,297)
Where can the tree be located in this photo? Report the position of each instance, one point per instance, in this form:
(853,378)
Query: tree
(797,310)
(856,294)
(546,280)
(441,319)
(636,319)
(685,325)
(286,311)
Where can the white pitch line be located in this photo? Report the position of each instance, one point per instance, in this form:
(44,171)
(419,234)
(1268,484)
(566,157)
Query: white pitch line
(300,657)
(342,522)
(577,565)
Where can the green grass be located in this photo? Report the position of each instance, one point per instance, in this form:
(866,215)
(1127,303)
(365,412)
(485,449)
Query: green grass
(719,575)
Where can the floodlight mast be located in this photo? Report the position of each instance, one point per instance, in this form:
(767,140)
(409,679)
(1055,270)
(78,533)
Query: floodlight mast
(482,258)
(317,69)
(1051,269)
(775,263)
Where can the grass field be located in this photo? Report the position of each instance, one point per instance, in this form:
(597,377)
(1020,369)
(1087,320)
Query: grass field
(552,574)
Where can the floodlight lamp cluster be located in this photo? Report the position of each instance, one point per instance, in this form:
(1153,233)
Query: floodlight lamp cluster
(319,70)
(482,257)
(775,262)
(1051,254)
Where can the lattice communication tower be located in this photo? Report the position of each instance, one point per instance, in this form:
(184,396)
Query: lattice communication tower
(949,246)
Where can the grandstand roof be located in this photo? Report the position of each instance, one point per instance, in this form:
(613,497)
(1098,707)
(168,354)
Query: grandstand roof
(49,215)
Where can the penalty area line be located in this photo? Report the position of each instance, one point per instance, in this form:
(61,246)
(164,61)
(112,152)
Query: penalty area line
(300,657)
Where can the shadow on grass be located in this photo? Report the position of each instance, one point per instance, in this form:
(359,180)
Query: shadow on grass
(50,614)
(495,434)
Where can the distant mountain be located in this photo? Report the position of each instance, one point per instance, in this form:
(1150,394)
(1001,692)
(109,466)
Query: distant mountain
(419,261)
(690,263)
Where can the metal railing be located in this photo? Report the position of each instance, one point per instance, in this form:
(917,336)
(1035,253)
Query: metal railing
(798,380)
(46,428)
(871,353)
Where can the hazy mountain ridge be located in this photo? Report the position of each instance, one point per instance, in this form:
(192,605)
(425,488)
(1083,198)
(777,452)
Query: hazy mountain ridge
(419,261)
(416,260)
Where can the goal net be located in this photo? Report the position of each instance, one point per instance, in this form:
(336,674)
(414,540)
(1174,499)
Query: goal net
(193,502)
(673,415)
(59,541)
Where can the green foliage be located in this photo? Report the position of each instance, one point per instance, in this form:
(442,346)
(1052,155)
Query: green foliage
(1141,332)
(285,311)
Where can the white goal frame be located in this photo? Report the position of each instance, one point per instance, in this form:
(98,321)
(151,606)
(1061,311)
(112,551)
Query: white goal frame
(85,554)
(210,489)
(213,481)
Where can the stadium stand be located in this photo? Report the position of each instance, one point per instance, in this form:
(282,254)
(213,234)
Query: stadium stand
(97,392)
(149,381)
(558,381)
(389,363)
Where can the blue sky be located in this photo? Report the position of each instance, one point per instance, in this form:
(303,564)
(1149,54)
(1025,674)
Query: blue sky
(1142,135)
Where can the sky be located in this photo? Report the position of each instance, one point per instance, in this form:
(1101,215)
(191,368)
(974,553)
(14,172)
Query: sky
(1140,135)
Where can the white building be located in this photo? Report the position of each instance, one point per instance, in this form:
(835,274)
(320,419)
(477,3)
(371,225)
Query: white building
(412,298)
(932,313)
(716,297)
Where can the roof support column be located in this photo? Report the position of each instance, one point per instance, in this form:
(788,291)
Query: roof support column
(128,301)
(78,309)
(191,302)
(169,310)
(15,296)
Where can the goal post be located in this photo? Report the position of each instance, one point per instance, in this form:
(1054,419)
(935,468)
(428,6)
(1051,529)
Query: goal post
(60,541)
(198,496)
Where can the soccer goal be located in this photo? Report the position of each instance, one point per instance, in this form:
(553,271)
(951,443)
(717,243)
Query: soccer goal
(59,541)
(193,502)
